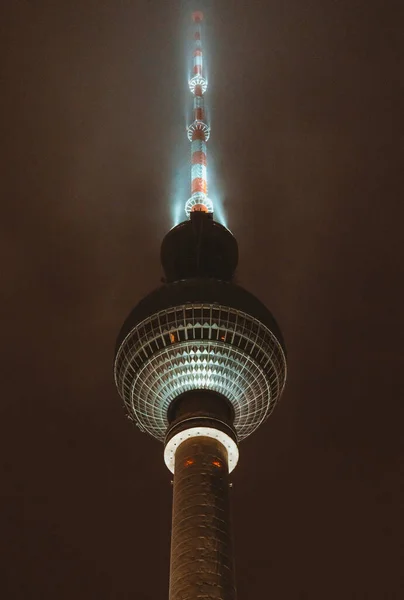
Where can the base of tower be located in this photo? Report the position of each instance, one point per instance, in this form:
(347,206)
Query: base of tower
(202,563)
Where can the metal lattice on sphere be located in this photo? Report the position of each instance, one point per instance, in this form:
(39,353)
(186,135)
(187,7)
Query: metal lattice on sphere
(200,346)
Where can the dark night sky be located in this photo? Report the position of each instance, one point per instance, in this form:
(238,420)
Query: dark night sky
(305,103)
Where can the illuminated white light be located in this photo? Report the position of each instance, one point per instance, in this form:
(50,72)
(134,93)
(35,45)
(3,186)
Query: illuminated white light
(198,171)
(198,80)
(211,432)
(198,146)
(198,198)
(198,125)
(198,102)
(198,60)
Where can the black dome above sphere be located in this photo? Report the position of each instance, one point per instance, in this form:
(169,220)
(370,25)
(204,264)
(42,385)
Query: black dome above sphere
(200,247)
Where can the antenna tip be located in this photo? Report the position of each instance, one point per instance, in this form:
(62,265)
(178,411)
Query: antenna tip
(197,16)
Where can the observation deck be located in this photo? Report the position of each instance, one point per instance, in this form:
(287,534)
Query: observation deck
(202,334)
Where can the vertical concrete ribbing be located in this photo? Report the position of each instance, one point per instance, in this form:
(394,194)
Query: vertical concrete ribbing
(201,542)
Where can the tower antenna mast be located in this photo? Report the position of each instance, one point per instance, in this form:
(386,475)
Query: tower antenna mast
(199,130)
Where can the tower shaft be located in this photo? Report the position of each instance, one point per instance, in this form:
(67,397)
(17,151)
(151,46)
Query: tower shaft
(201,544)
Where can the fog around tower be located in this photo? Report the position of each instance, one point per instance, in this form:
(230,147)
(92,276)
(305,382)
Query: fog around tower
(308,164)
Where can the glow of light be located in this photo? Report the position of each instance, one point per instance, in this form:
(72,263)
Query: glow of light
(193,432)
(198,80)
(198,125)
(198,198)
(179,189)
(215,189)
(176,213)
(220,217)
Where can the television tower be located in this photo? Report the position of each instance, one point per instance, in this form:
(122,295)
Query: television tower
(200,364)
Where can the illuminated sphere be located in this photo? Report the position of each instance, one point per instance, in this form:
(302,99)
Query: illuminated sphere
(199,331)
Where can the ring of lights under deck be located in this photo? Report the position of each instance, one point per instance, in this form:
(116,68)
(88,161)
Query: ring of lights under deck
(198,126)
(198,198)
(247,342)
(175,442)
(198,80)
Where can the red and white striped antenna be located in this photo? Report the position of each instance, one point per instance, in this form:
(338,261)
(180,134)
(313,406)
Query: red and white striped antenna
(199,130)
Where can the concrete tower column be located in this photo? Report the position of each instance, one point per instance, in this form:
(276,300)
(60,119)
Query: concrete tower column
(201,544)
